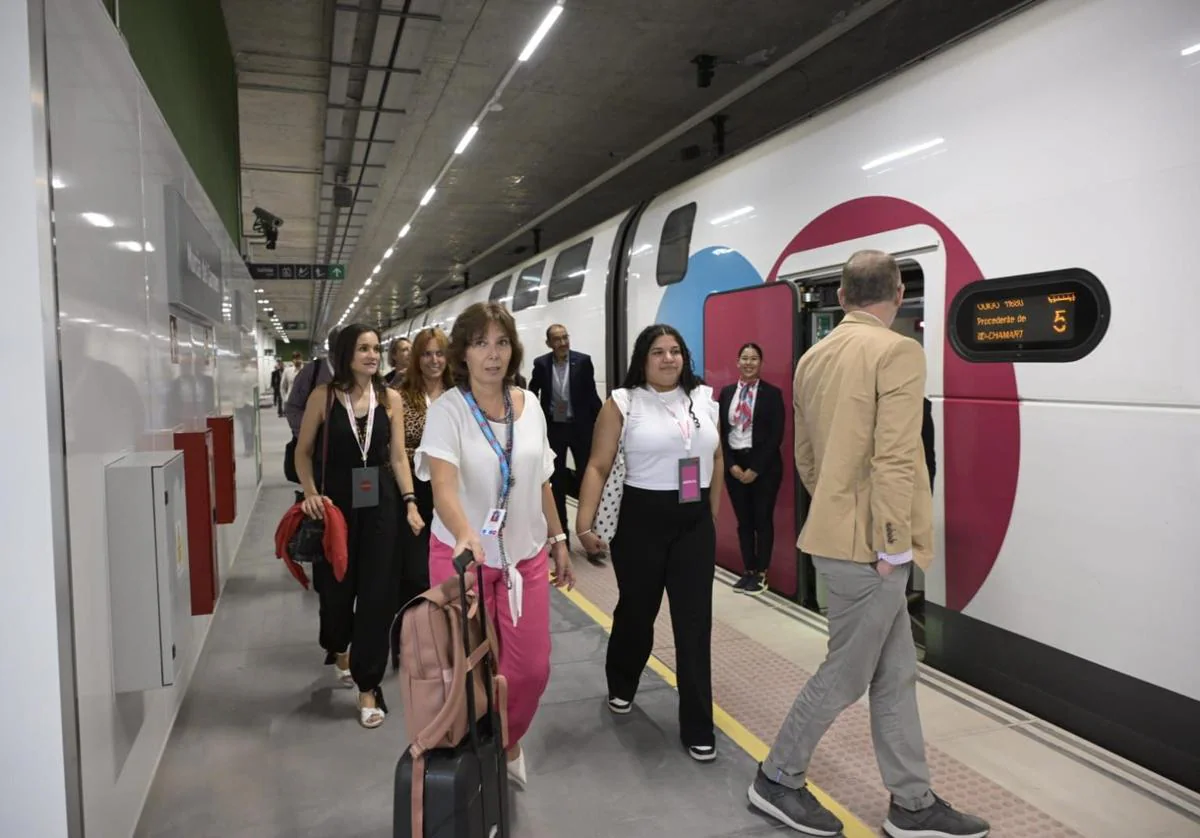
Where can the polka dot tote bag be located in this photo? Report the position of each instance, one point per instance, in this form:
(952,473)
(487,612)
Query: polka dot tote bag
(605,522)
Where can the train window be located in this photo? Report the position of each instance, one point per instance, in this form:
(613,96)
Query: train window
(570,267)
(675,244)
(499,289)
(1056,317)
(529,281)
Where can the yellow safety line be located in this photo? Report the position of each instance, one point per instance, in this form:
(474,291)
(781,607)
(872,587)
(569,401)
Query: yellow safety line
(747,741)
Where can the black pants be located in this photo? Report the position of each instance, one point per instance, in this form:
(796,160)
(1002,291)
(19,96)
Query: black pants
(663,544)
(414,549)
(358,611)
(277,401)
(754,506)
(575,436)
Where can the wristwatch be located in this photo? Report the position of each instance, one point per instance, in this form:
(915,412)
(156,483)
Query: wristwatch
(555,539)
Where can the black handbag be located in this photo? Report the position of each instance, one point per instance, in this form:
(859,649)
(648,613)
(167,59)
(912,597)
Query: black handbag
(307,545)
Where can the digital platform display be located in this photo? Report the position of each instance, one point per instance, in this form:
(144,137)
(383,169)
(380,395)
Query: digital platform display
(1058,316)
(1026,318)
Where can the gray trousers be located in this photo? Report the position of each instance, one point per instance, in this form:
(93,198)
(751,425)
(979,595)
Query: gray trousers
(870,646)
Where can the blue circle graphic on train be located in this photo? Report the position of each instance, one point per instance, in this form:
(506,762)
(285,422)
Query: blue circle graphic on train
(682,305)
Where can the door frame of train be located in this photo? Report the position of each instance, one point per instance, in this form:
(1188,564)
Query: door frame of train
(711,354)
(616,325)
(922,244)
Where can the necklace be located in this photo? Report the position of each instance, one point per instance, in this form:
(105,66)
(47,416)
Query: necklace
(508,410)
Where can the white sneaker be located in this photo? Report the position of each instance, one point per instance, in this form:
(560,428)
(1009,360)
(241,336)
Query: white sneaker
(516,770)
(619,705)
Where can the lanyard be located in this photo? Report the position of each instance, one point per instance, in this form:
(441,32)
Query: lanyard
(504,453)
(505,456)
(363,443)
(684,426)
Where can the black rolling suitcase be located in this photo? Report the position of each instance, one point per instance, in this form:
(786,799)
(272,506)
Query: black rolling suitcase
(464,789)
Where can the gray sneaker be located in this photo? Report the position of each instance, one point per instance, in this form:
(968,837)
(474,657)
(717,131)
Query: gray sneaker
(936,821)
(795,807)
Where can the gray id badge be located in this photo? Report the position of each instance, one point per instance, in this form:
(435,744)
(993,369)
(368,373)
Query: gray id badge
(366,487)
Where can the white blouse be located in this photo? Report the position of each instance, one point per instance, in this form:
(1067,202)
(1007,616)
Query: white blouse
(452,434)
(654,442)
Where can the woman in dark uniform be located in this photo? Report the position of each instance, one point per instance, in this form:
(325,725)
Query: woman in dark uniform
(355,410)
(751,434)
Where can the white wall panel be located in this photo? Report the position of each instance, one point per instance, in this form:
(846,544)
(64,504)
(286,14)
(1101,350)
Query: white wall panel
(123,389)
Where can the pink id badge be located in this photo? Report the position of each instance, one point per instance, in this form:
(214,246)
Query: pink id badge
(689,480)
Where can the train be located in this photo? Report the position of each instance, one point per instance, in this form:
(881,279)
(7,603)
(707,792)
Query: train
(1038,184)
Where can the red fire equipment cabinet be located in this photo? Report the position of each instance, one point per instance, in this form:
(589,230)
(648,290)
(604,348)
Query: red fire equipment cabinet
(197,448)
(224,468)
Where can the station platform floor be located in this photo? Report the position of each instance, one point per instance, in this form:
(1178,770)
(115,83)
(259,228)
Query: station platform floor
(267,745)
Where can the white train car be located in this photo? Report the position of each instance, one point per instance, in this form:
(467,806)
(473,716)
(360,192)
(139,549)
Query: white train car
(1038,183)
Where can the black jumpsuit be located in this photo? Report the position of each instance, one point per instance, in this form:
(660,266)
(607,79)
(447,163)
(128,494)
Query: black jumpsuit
(358,610)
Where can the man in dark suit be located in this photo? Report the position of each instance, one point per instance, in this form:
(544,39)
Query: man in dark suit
(751,443)
(565,383)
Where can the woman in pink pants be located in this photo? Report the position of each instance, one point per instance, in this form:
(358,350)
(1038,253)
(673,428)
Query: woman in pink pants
(486,452)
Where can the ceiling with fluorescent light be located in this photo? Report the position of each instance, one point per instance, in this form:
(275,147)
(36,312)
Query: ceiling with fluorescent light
(378,96)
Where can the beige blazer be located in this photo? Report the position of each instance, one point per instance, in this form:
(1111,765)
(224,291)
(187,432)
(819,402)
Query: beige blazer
(858,399)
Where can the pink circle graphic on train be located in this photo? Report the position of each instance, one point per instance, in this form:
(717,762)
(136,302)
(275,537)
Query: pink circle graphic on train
(981,423)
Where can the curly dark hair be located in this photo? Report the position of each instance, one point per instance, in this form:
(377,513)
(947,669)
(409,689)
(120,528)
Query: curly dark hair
(636,374)
(471,325)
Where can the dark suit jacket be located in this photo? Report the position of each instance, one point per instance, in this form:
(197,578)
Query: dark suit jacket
(581,381)
(927,441)
(766,435)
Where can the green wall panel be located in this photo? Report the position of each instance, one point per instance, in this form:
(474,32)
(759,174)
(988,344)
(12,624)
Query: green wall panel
(181,48)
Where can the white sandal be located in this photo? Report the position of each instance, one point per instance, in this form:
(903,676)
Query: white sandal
(372,717)
(345,679)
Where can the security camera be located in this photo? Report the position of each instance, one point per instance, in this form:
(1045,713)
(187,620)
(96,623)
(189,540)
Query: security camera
(267,224)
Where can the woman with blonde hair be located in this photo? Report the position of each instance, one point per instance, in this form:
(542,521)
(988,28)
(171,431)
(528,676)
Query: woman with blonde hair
(419,386)
(486,452)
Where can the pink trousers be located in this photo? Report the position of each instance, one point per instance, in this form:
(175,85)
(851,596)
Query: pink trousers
(524,649)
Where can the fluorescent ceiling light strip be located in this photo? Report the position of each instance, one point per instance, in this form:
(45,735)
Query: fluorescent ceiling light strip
(897,155)
(538,36)
(1192,50)
(466,140)
(541,32)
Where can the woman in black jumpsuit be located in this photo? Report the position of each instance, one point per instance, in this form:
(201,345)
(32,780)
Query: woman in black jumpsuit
(357,612)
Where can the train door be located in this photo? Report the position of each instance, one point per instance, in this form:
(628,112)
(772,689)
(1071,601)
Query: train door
(816,275)
(767,315)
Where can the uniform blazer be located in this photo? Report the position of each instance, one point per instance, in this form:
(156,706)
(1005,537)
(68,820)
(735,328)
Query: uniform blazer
(581,382)
(858,397)
(766,426)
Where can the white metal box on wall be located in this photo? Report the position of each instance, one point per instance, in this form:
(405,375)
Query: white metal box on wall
(149,586)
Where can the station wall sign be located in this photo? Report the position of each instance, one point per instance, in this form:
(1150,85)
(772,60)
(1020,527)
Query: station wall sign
(292,270)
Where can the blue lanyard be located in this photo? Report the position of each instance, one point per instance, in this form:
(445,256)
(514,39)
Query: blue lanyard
(504,453)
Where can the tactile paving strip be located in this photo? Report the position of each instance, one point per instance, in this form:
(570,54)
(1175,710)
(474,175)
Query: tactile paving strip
(757,687)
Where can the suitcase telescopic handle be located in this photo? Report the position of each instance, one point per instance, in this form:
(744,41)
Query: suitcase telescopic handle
(461,562)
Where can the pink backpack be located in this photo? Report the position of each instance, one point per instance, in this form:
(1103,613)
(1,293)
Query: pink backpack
(433,677)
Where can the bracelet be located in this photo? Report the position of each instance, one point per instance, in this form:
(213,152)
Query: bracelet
(588,531)
(556,539)
(409,497)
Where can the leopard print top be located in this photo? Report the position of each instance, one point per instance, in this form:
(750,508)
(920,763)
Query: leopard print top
(414,425)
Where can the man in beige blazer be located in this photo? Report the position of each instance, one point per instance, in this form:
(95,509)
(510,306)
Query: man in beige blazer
(858,400)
